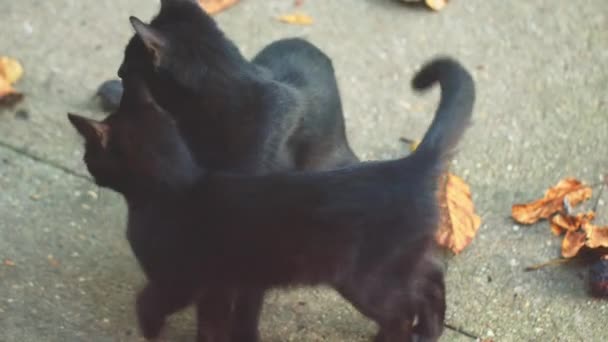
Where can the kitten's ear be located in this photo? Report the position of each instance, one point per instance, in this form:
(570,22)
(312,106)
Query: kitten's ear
(92,131)
(154,40)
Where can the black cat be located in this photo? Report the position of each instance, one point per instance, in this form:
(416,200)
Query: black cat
(281,111)
(199,235)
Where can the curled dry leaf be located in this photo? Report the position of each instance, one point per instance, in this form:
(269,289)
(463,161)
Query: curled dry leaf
(10,72)
(562,222)
(596,236)
(571,189)
(572,243)
(216,6)
(296,19)
(458,221)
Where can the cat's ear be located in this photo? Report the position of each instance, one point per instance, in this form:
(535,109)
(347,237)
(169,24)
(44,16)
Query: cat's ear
(155,41)
(93,131)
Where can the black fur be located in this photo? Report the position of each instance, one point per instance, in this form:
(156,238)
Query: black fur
(202,235)
(281,111)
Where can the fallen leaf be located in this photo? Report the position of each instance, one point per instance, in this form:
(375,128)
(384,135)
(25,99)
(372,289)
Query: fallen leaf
(216,6)
(561,222)
(10,69)
(10,72)
(436,5)
(9,262)
(458,221)
(296,19)
(596,236)
(572,243)
(571,189)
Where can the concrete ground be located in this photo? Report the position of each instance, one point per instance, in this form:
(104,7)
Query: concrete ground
(541,115)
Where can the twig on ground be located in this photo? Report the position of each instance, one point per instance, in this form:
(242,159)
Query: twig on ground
(461,331)
(553,262)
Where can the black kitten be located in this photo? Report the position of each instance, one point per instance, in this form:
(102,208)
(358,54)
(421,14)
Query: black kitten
(281,111)
(199,235)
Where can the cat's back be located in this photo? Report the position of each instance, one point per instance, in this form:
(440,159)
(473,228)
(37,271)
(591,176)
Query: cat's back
(296,61)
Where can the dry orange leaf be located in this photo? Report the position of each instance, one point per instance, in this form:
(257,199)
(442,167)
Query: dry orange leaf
(561,222)
(216,6)
(9,262)
(596,236)
(458,221)
(10,72)
(296,19)
(572,243)
(10,69)
(573,190)
(436,5)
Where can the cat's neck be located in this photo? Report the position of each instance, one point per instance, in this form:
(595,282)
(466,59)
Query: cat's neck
(170,186)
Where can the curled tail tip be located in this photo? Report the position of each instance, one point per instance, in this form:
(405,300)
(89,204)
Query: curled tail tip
(436,69)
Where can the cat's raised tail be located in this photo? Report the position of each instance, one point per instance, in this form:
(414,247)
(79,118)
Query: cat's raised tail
(455,107)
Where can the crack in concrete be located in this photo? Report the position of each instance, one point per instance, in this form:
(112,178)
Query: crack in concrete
(24,152)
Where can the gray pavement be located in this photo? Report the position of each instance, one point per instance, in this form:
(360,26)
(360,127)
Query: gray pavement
(541,115)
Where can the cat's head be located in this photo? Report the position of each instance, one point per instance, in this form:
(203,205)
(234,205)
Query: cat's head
(138,148)
(181,49)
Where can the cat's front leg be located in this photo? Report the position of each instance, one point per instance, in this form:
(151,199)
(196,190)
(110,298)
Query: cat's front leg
(247,310)
(214,311)
(154,303)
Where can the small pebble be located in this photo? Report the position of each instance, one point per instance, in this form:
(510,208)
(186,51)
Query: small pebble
(92,194)
(27,27)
